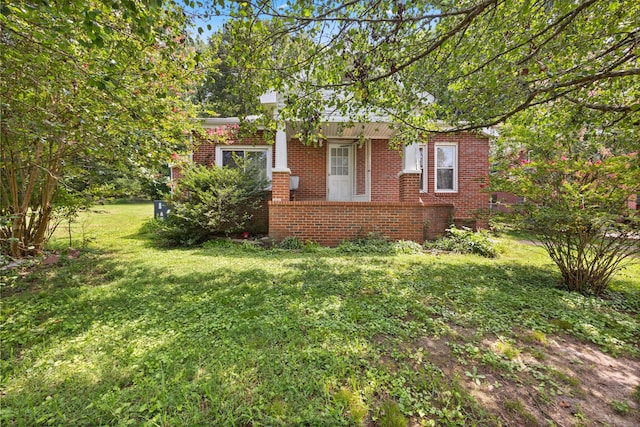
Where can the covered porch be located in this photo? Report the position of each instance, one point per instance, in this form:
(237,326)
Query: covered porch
(349,185)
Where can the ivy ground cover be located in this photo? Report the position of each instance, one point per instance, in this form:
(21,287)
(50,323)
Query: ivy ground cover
(228,334)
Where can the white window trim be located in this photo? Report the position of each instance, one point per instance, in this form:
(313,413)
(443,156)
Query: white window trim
(254,148)
(425,166)
(366,197)
(455,167)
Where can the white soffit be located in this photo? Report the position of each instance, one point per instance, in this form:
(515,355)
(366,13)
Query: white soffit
(331,130)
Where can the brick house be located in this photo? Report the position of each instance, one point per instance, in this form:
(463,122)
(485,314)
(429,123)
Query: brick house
(352,183)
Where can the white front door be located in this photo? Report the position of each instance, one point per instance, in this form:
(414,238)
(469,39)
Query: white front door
(340,172)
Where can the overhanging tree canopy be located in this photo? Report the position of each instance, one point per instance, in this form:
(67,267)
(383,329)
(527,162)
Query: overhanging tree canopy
(482,60)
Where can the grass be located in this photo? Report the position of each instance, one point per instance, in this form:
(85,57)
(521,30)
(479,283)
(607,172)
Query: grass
(129,334)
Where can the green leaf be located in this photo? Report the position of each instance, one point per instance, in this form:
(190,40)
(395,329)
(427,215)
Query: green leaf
(98,41)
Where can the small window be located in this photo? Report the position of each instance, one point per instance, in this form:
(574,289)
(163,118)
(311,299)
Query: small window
(340,161)
(446,171)
(259,157)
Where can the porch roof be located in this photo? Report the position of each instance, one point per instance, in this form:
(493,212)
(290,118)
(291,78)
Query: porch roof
(344,130)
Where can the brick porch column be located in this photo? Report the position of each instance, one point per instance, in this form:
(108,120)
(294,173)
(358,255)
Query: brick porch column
(410,175)
(410,186)
(280,186)
(281,173)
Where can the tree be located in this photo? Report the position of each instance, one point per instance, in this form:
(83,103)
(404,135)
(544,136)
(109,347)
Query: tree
(222,89)
(216,201)
(466,63)
(576,180)
(84,82)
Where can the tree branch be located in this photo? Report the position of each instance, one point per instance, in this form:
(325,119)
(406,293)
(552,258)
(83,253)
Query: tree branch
(602,107)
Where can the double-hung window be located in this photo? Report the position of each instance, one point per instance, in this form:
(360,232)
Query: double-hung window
(446,167)
(258,157)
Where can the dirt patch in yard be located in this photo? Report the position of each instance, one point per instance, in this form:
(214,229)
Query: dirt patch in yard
(540,381)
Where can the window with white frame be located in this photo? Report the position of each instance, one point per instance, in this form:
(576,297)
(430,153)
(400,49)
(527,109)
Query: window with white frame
(258,157)
(422,164)
(446,170)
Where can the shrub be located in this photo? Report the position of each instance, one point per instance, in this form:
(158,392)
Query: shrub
(212,201)
(151,226)
(291,243)
(375,243)
(311,246)
(464,241)
(372,243)
(295,244)
(588,247)
(576,203)
(407,247)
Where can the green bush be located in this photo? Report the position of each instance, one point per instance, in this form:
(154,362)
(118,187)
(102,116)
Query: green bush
(295,244)
(372,243)
(311,246)
(375,243)
(212,201)
(576,204)
(291,243)
(407,247)
(464,241)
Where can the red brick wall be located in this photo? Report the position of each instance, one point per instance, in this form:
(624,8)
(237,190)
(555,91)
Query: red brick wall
(328,223)
(385,165)
(280,186)
(410,187)
(176,173)
(437,219)
(504,202)
(204,152)
(473,175)
(310,164)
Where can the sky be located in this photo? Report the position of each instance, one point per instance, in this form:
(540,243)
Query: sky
(216,22)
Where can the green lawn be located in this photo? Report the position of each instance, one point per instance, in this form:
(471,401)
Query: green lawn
(129,334)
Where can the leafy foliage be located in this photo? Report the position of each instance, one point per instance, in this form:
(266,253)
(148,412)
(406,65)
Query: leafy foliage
(291,243)
(469,63)
(407,247)
(392,415)
(100,180)
(210,201)
(375,243)
(84,83)
(577,175)
(223,89)
(372,243)
(578,209)
(465,241)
